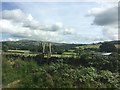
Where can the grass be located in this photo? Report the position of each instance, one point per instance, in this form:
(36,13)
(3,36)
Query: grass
(59,55)
(12,84)
(28,53)
(19,51)
(56,55)
(117,45)
(69,53)
(90,46)
(25,54)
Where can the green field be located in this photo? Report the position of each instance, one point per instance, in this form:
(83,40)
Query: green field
(19,51)
(90,46)
(69,53)
(117,45)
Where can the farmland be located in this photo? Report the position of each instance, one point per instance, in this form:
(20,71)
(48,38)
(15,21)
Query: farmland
(68,66)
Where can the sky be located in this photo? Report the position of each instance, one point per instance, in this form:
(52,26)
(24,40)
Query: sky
(61,22)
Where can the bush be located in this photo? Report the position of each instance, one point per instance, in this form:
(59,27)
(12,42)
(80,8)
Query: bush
(58,75)
(107,47)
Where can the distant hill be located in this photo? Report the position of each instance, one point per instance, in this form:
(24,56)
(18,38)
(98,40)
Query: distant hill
(114,42)
(28,44)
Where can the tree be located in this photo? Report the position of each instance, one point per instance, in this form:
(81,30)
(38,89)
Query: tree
(5,48)
(107,47)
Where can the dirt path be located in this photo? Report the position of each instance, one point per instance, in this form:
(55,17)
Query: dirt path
(12,84)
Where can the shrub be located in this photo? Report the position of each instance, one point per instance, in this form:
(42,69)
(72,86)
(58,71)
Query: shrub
(107,47)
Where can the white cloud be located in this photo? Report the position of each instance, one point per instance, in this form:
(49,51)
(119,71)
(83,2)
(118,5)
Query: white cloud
(69,31)
(104,16)
(13,39)
(10,39)
(95,11)
(15,15)
(110,33)
(30,17)
(19,24)
(98,1)
(107,18)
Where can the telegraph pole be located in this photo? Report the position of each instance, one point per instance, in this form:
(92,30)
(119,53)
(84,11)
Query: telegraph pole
(49,49)
(49,52)
(43,47)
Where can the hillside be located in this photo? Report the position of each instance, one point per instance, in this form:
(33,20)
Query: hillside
(26,44)
(29,44)
(68,66)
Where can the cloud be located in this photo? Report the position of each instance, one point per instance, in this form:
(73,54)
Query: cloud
(15,15)
(69,31)
(110,33)
(107,18)
(19,24)
(56,26)
(104,17)
(13,39)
